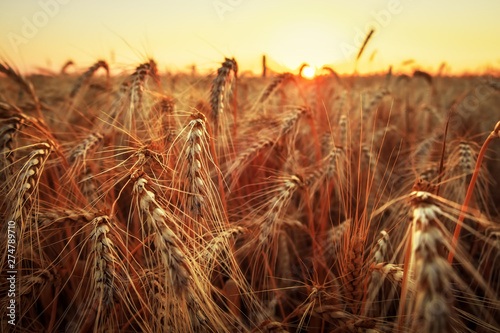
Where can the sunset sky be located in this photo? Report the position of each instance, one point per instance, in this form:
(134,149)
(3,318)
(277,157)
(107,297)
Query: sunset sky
(178,33)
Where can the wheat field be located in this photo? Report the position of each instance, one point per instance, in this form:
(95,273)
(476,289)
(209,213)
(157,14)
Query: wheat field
(156,202)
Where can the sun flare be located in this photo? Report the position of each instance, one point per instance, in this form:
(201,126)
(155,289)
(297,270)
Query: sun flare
(308,72)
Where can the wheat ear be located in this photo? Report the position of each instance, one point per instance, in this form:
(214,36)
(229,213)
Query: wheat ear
(495,134)
(85,77)
(433,300)
(25,85)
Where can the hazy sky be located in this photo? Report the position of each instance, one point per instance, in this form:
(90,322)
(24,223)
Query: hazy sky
(46,33)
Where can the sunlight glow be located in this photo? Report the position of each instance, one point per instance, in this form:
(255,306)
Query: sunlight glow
(41,34)
(308,72)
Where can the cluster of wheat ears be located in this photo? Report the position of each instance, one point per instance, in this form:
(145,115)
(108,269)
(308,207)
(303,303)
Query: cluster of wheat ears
(181,203)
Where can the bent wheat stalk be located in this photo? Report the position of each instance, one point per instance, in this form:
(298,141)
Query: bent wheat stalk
(495,134)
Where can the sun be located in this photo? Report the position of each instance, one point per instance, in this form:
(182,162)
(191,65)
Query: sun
(308,72)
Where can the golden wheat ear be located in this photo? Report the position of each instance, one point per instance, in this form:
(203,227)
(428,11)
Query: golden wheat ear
(103,269)
(427,266)
(8,131)
(219,92)
(277,81)
(25,85)
(27,181)
(223,100)
(374,294)
(87,75)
